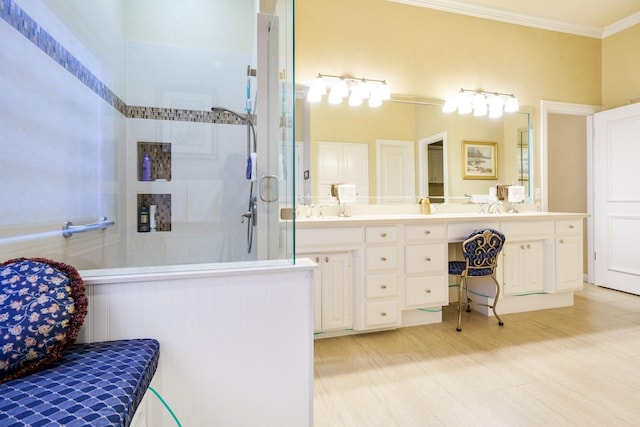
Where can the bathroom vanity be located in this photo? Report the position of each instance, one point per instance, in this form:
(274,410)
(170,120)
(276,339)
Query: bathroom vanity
(387,271)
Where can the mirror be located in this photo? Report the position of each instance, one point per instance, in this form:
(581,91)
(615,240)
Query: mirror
(412,150)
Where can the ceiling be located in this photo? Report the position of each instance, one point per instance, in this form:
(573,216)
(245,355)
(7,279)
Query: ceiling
(592,18)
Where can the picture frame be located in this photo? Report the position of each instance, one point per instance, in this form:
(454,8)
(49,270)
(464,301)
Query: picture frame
(479,160)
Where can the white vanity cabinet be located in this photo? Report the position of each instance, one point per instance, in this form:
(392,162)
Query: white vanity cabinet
(523,267)
(425,269)
(333,292)
(523,256)
(332,249)
(568,257)
(381,307)
(387,271)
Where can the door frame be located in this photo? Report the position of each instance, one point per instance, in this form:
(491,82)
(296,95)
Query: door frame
(423,165)
(554,107)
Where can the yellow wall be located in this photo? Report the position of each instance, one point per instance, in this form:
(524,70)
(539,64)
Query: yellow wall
(430,53)
(621,68)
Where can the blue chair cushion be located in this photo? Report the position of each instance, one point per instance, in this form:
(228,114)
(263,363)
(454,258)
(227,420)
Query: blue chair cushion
(42,307)
(457,267)
(97,384)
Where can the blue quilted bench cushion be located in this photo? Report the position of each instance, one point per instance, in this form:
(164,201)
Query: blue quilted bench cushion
(96,384)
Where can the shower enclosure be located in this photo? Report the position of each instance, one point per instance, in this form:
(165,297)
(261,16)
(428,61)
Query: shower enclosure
(91,90)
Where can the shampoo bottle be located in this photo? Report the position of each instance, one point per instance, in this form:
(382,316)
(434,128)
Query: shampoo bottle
(146,167)
(143,219)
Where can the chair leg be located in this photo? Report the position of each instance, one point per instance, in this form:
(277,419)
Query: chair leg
(495,302)
(462,285)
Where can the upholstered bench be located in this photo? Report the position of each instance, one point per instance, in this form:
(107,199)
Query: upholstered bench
(96,384)
(46,378)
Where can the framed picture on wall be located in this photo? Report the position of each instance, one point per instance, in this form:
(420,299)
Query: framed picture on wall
(479,160)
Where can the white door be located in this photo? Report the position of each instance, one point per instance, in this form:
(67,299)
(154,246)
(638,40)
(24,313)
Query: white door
(342,162)
(616,199)
(396,172)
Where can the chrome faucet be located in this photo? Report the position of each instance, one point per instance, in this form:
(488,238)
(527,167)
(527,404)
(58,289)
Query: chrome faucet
(495,207)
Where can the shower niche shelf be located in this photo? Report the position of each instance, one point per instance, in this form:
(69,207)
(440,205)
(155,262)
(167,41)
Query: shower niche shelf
(160,157)
(163,209)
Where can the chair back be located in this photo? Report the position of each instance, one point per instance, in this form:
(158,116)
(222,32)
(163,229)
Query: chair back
(481,250)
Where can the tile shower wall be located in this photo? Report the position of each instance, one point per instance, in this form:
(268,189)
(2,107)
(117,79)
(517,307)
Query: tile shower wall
(69,147)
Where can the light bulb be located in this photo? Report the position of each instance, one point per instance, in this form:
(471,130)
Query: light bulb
(334,96)
(319,86)
(354,99)
(495,106)
(479,105)
(374,101)
(361,89)
(341,87)
(512,105)
(313,96)
(464,99)
(449,106)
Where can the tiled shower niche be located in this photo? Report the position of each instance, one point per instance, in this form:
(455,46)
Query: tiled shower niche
(163,208)
(160,155)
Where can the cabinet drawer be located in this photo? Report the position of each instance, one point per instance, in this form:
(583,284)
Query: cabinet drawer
(381,313)
(569,226)
(382,258)
(459,231)
(381,285)
(426,291)
(388,234)
(424,233)
(425,258)
(527,228)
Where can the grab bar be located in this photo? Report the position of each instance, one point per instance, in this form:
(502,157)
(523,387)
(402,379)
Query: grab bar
(68,229)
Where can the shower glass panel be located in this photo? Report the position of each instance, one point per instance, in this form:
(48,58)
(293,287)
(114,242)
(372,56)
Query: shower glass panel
(133,85)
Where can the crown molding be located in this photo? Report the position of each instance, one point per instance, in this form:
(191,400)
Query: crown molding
(510,17)
(622,24)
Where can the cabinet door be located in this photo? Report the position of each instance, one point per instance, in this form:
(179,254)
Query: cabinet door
(336,291)
(523,267)
(568,263)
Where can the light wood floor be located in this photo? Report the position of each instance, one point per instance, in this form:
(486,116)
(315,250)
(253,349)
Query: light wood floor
(577,366)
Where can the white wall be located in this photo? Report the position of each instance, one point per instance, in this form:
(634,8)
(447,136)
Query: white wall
(73,156)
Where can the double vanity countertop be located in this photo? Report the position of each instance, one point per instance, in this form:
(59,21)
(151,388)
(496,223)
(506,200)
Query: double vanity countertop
(419,218)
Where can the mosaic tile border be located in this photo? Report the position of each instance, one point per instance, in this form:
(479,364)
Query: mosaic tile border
(28,27)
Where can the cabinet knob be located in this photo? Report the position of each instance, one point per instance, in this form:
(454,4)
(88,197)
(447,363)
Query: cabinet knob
(561,241)
(427,259)
(571,227)
(383,286)
(318,259)
(528,246)
(383,258)
(427,291)
(427,232)
(522,247)
(383,235)
(383,314)
(326,259)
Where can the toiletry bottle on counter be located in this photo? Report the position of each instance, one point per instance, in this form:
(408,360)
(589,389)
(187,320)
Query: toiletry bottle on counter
(143,219)
(426,205)
(146,167)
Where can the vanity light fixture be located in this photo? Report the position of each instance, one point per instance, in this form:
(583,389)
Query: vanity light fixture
(481,103)
(345,86)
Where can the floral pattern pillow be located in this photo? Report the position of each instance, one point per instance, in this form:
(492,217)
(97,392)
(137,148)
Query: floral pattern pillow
(42,307)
